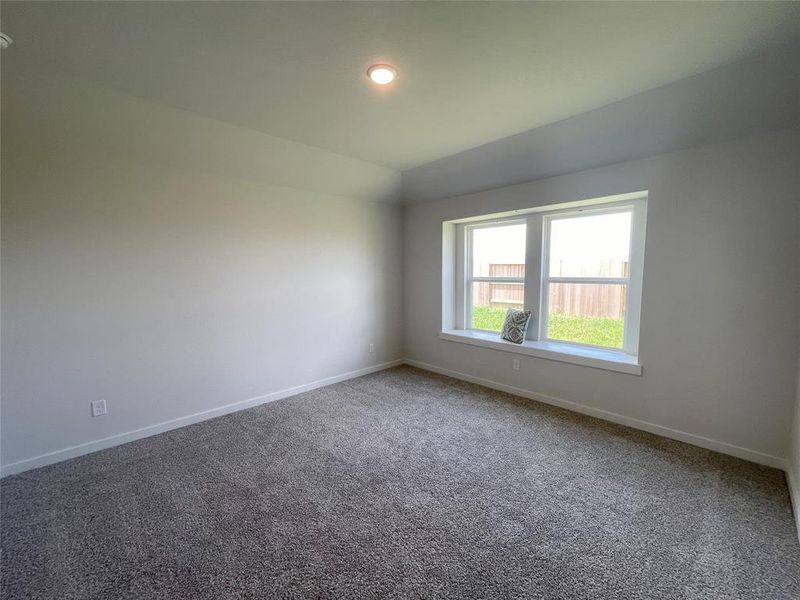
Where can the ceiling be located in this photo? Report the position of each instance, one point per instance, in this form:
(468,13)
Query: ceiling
(468,73)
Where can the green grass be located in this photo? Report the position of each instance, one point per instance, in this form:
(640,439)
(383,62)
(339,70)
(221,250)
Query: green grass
(488,317)
(599,331)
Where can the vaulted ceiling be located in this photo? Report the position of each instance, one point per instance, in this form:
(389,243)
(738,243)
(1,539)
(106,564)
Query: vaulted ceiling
(469,73)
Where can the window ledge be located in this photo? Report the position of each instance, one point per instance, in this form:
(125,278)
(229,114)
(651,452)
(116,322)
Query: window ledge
(598,358)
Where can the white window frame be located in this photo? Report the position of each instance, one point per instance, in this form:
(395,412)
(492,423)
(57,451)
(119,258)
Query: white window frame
(537,279)
(470,278)
(632,283)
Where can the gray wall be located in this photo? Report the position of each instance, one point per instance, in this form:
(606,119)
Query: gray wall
(794,459)
(761,93)
(149,277)
(793,468)
(719,329)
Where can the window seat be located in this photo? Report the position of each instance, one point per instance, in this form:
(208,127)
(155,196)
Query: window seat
(588,356)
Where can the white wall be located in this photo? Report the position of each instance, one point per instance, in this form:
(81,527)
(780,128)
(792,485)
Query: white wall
(169,283)
(719,329)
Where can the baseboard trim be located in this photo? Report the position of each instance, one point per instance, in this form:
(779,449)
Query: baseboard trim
(794,496)
(137,434)
(689,438)
(129,436)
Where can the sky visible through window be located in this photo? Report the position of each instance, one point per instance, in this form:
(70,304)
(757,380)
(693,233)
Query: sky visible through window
(591,246)
(502,245)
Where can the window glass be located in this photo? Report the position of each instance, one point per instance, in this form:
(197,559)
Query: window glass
(591,246)
(587,313)
(499,251)
(491,300)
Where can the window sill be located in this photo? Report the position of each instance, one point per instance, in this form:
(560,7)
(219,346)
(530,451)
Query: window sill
(598,358)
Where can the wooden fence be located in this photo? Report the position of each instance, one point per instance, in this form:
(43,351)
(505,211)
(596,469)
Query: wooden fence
(588,299)
(585,299)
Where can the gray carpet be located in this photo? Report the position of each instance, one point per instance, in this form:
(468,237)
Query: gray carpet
(401,484)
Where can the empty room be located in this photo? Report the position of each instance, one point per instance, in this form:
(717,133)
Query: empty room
(476,300)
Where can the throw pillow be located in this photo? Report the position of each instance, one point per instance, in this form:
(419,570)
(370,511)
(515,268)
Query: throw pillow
(515,326)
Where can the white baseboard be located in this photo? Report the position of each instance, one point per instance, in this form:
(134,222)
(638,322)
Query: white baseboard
(129,436)
(794,495)
(682,436)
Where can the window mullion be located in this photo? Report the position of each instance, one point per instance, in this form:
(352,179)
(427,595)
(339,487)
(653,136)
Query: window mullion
(533,274)
(544,295)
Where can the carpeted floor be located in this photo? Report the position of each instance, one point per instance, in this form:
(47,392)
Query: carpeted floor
(401,484)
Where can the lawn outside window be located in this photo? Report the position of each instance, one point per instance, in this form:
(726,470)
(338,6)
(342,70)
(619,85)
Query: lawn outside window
(577,267)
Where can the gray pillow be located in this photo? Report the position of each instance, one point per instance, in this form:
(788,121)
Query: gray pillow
(516,325)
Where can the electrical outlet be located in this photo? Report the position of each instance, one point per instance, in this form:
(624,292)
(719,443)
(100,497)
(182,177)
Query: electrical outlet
(371,348)
(515,364)
(99,408)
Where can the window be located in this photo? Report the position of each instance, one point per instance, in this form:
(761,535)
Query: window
(496,275)
(577,267)
(585,279)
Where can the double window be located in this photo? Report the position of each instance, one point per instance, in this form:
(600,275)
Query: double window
(577,269)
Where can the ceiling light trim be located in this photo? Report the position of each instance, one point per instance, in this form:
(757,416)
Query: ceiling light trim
(382,73)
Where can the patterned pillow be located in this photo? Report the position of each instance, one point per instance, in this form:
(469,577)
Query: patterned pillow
(516,325)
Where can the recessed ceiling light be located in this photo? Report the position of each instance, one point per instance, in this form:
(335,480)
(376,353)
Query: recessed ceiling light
(5,41)
(382,74)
